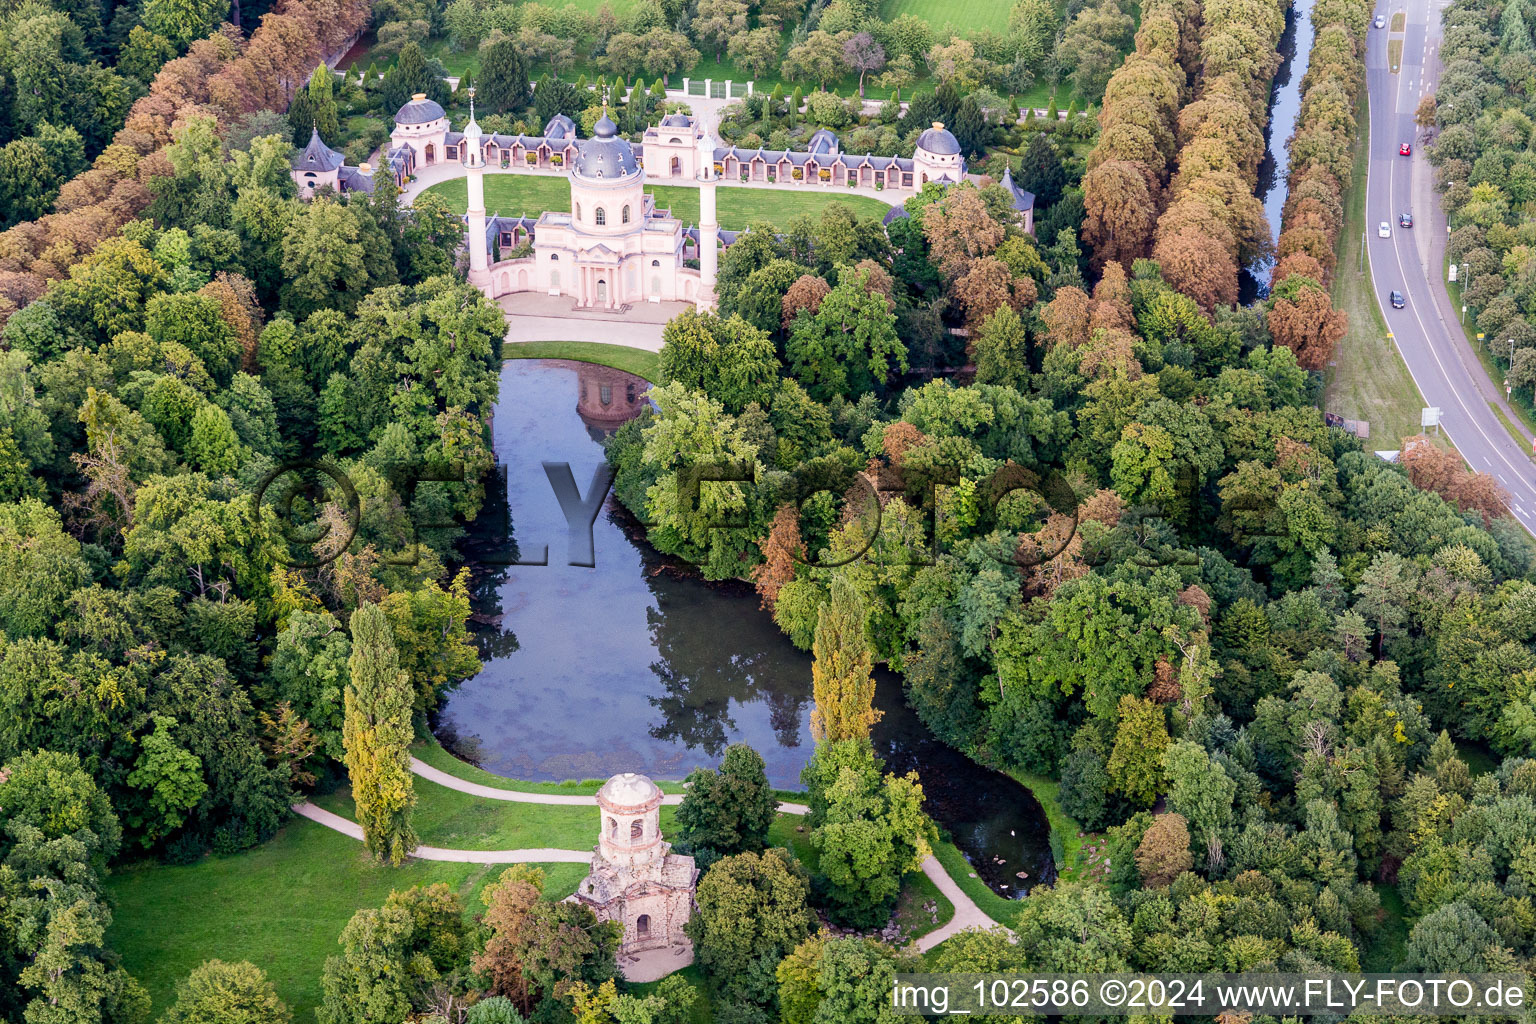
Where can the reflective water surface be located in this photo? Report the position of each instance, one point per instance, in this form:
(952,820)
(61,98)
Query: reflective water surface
(637,664)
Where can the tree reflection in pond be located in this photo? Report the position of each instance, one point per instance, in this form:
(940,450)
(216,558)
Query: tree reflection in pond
(639,665)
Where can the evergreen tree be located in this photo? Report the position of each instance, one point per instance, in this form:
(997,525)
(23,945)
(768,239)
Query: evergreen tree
(503,78)
(377,734)
(842,685)
(556,97)
(409,76)
(322,103)
(970,127)
(1040,171)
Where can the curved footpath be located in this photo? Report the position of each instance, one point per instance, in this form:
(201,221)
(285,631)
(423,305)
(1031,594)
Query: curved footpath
(967,913)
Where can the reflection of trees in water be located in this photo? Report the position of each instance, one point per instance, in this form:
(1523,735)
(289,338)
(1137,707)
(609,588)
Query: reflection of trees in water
(488,548)
(707,658)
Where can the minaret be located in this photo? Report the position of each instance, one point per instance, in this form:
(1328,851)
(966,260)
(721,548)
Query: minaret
(474,160)
(709,227)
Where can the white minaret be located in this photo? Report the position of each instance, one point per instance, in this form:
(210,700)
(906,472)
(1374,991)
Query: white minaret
(474,160)
(709,227)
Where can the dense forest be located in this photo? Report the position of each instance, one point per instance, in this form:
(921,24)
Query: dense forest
(1482,117)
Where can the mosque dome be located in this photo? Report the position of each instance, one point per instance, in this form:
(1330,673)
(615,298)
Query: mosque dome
(605,154)
(939,141)
(419,110)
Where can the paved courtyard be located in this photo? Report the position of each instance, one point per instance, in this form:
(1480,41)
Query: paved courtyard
(540,317)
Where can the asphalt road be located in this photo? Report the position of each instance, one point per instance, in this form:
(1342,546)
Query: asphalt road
(1427,331)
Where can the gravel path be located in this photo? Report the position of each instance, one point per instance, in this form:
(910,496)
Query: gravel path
(967,913)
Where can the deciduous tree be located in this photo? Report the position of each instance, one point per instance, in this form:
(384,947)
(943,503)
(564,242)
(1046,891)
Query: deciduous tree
(377,732)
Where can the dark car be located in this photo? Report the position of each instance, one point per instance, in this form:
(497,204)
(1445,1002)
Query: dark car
(1405,220)
(1405,150)
(1398,301)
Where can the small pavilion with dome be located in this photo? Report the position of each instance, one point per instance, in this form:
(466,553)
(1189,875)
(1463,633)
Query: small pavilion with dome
(638,881)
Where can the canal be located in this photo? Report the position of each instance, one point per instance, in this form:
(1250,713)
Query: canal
(638,664)
(1284,107)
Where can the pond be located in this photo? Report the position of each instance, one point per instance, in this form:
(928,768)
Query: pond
(637,664)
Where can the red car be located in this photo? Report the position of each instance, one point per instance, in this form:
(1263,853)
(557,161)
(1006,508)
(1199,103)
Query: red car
(1405,150)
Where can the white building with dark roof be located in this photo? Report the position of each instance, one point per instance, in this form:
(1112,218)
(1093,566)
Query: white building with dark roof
(670,152)
(319,166)
(613,247)
(1023,202)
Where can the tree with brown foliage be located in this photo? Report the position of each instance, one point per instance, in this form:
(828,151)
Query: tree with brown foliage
(806,293)
(782,550)
(1066,317)
(1112,300)
(1121,212)
(1309,326)
(508,901)
(960,231)
(1432,468)
(1197,254)
(898,438)
(1163,853)
(984,288)
(240,309)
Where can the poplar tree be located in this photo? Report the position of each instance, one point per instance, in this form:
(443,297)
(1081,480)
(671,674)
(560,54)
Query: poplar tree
(377,733)
(842,685)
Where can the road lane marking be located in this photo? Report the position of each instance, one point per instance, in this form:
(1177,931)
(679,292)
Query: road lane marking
(1519,476)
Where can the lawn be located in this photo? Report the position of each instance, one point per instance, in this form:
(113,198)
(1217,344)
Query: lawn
(1001,910)
(917,891)
(621,357)
(1368,379)
(462,821)
(1066,843)
(961,15)
(512,194)
(280,906)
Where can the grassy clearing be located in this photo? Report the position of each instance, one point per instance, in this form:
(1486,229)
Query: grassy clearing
(1399,20)
(917,890)
(1368,379)
(621,357)
(994,906)
(461,821)
(529,195)
(961,15)
(1385,947)
(1066,841)
(280,906)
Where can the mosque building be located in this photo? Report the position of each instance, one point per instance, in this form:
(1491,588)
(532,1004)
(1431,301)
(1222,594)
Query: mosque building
(614,247)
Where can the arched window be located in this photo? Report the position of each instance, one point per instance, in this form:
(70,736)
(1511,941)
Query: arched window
(655,263)
(554,257)
(578,211)
(625,217)
(601,217)
(613,829)
(643,925)
(636,830)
